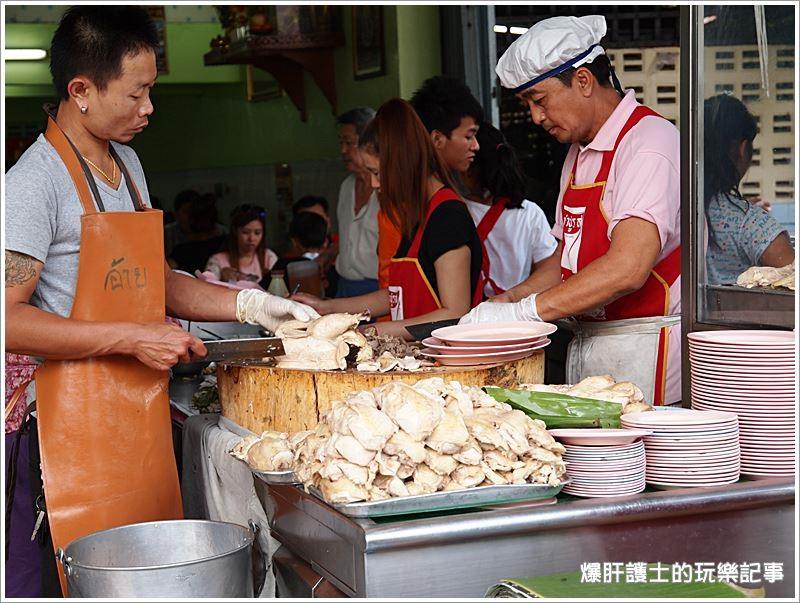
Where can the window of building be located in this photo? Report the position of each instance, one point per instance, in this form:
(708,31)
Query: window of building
(785,64)
(667,89)
(750,54)
(724,66)
(751,65)
(727,54)
(750,98)
(751,86)
(719,88)
(784,97)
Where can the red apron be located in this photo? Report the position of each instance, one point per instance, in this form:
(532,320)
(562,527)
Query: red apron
(586,239)
(410,292)
(104,423)
(484,228)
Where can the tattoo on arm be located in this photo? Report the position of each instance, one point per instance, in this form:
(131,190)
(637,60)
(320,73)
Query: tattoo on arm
(20,268)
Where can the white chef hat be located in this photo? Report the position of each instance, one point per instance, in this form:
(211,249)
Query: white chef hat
(550,47)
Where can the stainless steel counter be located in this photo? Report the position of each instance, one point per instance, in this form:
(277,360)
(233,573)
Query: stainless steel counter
(463,554)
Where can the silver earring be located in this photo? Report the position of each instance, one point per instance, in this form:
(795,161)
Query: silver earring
(84,109)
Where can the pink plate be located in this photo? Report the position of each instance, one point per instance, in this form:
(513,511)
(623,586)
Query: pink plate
(439,346)
(494,333)
(478,359)
(743,337)
(655,420)
(599,437)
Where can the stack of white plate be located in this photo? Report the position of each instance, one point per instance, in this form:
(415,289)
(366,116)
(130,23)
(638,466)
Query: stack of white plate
(751,373)
(486,343)
(603,462)
(689,449)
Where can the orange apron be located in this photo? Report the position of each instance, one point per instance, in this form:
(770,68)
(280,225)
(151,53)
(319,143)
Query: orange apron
(104,423)
(410,292)
(586,239)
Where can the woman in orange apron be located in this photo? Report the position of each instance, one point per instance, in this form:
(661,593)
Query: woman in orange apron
(435,273)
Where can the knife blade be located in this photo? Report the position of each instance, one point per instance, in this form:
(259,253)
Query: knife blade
(255,348)
(424,329)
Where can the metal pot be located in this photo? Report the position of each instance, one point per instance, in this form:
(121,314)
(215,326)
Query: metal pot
(182,558)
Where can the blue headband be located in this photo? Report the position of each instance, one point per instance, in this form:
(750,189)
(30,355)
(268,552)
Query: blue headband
(555,71)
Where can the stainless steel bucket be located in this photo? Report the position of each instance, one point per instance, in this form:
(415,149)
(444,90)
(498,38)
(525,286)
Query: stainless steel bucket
(181,558)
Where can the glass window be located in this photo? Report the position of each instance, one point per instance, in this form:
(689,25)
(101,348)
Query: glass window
(744,147)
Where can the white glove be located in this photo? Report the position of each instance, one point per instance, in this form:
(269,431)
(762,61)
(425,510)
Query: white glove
(524,309)
(260,308)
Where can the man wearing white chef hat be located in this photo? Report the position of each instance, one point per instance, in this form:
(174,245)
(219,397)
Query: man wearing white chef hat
(618,213)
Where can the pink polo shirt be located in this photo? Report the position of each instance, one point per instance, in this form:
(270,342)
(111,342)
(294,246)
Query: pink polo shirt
(644,182)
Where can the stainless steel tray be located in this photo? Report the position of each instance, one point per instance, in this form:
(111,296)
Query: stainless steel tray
(277,477)
(482,496)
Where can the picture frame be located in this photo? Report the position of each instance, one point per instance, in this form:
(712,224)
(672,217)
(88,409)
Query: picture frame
(369,54)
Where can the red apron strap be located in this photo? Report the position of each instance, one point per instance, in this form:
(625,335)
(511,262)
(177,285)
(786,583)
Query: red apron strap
(442,195)
(636,116)
(484,228)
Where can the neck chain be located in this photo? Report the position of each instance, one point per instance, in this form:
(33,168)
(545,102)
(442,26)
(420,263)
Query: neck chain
(113,177)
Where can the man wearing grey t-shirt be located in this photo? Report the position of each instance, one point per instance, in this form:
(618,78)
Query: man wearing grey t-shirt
(76,221)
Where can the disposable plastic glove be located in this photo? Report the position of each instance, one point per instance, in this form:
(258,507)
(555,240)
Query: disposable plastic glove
(260,308)
(524,309)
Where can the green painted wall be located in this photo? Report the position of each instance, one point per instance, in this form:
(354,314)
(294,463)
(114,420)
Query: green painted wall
(202,118)
(419,46)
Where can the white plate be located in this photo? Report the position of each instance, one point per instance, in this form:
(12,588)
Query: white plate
(478,359)
(736,361)
(771,380)
(439,346)
(743,337)
(496,333)
(607,488)
(598,437)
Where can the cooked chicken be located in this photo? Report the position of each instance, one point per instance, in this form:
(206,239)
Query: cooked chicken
(414,412)
(450,434)
(243,446)
(271,453)
(502,462)
(442,464)
(370,426)
(342,491)
(492,476)
(427,478)
(387,464)
(313,353)
(391,484)
(470,454)
(414,489)
(406,470)
(406,448)
(513,426)
(333,325)
(338,468)
(351,449)
(485,432)
(767,276)
(636,407)
(468,476)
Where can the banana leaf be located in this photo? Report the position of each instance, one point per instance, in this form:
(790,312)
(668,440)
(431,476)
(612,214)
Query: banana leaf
(560,410)
(569,586)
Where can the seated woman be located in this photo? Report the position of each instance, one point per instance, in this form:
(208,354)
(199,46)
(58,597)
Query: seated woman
(435,272)
(246,256)
(514,231)
(740,234)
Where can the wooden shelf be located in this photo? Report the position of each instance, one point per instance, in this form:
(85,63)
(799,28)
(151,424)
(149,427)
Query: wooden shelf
(286,57)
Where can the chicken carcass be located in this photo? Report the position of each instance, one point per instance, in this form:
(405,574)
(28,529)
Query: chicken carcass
(450,435)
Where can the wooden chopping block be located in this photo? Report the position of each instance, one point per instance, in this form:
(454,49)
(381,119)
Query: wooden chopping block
(262,398)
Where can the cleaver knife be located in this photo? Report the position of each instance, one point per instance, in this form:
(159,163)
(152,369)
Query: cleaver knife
(231,350)
(424,329)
